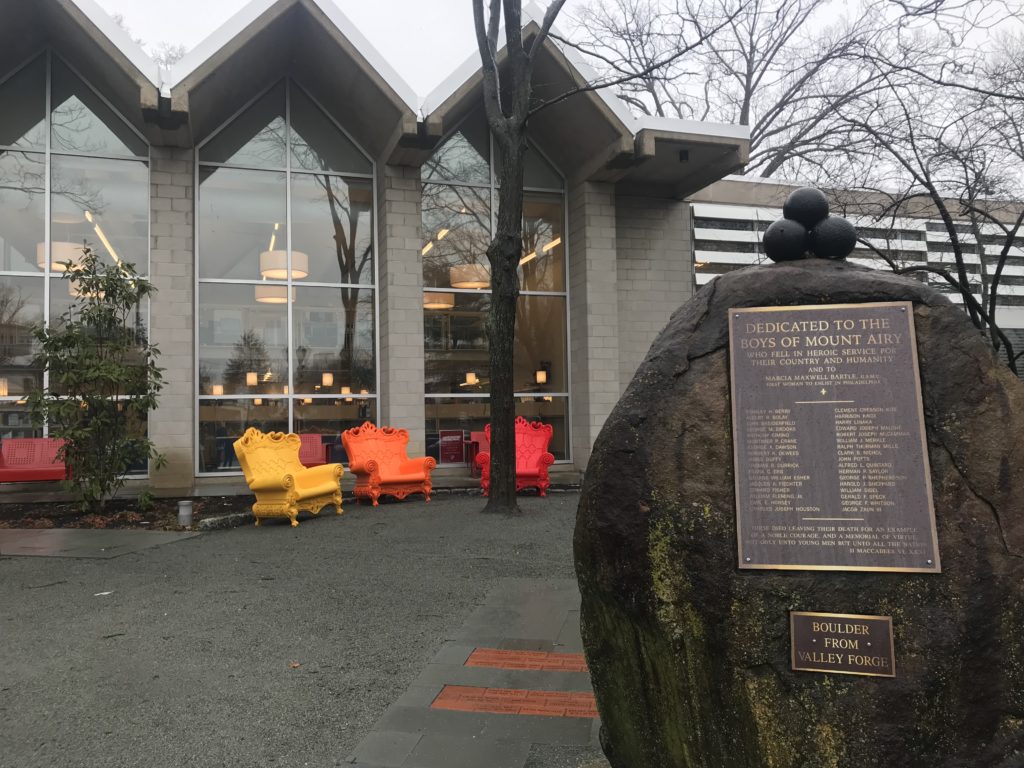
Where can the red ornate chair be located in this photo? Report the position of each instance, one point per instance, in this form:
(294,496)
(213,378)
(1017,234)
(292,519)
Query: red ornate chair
(532,457)
(378,459)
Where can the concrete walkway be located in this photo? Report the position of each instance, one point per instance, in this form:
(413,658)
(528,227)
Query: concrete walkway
(274,646)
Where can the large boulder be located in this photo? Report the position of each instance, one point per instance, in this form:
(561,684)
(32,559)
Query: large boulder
(690,655)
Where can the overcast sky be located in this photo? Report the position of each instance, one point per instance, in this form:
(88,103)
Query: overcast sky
(423,39)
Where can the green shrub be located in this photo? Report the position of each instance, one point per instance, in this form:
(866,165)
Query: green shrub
(103,379)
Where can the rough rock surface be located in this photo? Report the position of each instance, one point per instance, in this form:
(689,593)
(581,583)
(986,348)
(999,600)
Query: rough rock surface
(690,656)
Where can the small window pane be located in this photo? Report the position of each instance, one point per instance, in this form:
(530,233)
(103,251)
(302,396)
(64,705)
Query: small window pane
(455,343)
(334,341)
(456,229)
(549,410)
(540,355)
(101,203)
(243,340)
(463,157)
(332,228)
(256,138)
(469,415)
(456,357)
(222,422)
(538,173)
(16,421)
(451,414)
(23,116)
(84,124)
(21,309)
(328,418)
(317,144)
(242,219)
(542,267)
(22,193)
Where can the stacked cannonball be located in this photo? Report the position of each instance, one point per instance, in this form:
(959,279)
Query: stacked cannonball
(807,231)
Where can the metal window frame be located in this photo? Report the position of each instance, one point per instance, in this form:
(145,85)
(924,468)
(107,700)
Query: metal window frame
(48,152)
(563,193)
(290,284)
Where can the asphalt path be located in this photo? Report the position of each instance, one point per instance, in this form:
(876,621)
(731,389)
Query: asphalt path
(270,646)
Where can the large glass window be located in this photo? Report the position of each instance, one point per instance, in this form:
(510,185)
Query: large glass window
(61,142)
(287,306)
(457,205)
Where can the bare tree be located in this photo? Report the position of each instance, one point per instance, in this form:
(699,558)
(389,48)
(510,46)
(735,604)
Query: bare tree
(780,67)
(952,153)
(508,104)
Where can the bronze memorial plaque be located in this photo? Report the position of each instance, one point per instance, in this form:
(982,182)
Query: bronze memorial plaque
(828,435)
(844,643)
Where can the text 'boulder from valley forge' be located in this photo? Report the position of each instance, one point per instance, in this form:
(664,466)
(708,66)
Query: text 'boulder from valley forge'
(690,649)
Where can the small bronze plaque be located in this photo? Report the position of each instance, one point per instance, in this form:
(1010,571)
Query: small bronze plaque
(829,446)
(843,643)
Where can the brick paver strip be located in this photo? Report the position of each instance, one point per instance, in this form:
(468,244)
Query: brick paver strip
(541,661)
(511,701)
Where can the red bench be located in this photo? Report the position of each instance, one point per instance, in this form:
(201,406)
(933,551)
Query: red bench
(30,459)
(532,457)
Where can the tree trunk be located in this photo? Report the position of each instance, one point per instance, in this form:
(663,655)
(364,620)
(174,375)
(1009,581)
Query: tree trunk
(504,253)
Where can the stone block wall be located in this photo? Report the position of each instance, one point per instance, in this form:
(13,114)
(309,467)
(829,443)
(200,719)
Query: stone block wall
(593,312)
(172,234)
(399,240)
(655,272)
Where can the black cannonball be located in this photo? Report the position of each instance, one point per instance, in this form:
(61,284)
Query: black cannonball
(833,238)
(806,205)
(785,240)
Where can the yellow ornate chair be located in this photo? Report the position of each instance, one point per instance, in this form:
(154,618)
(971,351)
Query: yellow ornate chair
(284,487)
(378,459)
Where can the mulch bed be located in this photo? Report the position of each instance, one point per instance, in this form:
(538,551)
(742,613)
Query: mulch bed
(120,513)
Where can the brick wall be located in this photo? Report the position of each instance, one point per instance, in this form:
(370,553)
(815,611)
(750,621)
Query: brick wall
(399,241)
(171,425)
(655,273)
(593,313)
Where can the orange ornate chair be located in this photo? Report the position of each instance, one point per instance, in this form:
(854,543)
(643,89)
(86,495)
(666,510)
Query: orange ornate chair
(284,487)
(378,459)
(532,457)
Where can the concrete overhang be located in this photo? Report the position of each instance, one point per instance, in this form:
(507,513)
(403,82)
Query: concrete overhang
(591,135)
(675,158)
(310,40)
(91,42)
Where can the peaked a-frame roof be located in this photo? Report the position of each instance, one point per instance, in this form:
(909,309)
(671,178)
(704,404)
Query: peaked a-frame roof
(591,135)
(310,40)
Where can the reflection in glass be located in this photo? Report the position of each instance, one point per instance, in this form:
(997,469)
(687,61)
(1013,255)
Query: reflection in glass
(334,334)
(256,138)
(542,267)
(317,143)
(456,349)
(456,230)
(102,203)
(464,157)
(237,337)
(21,308)
(538,173)
(22,193)
(332,221)
(16,421)
(23,117)
(242,214)
(82,123)
(329,418)
(221,422)
(473,414)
